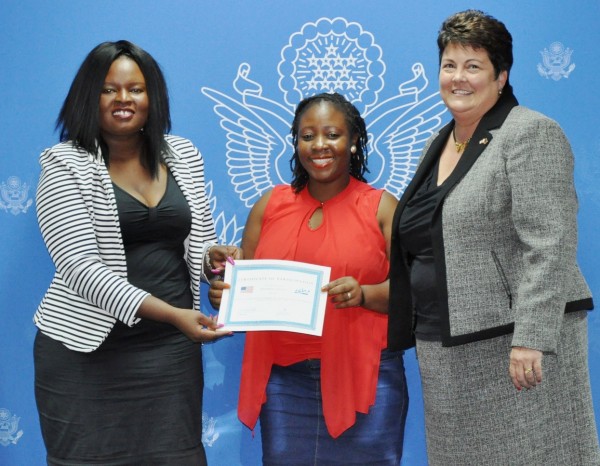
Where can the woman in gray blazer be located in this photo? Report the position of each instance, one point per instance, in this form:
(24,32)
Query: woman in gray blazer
(484,275)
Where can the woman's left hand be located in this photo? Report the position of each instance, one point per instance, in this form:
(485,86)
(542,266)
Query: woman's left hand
(525,367)
(345,292)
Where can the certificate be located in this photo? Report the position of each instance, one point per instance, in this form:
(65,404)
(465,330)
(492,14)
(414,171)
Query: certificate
(274,295)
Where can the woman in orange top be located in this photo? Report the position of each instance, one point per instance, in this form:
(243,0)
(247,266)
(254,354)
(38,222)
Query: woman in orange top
(340,397)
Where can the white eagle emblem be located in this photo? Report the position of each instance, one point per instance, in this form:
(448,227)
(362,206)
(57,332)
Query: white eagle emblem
(330,55)
(228,230)
(9,428)
(557,62)
(209,433)
(14,196)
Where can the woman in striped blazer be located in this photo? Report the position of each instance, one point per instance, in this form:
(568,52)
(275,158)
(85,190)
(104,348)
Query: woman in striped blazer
(123,211)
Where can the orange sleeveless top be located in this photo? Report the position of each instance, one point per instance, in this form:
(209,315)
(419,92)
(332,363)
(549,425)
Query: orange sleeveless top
(349,241)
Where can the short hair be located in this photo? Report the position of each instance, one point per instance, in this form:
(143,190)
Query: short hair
(78,120)
(356,126)
(476,29)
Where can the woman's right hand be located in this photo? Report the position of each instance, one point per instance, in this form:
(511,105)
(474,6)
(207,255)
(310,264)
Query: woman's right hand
(197,326)
(525,367)
(215,293)
(193,324)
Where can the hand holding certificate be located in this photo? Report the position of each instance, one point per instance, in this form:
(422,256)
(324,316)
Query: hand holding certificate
(274,295)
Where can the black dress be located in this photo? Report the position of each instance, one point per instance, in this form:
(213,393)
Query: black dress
(137,399)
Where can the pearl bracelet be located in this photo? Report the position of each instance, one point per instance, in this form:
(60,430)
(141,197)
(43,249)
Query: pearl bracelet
(207,264)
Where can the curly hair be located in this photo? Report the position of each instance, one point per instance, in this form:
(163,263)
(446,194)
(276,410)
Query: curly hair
(356,125)
(476,29)
(78,120)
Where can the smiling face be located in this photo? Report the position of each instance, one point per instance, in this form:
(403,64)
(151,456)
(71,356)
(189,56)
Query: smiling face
(324,143)
(123,102)
(468,84)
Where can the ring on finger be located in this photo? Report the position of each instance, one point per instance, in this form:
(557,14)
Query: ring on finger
(527,371)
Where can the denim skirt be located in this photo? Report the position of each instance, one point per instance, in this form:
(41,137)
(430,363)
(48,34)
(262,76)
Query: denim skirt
(293,428)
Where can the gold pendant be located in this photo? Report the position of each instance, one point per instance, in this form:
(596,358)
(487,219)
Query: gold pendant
(460,146)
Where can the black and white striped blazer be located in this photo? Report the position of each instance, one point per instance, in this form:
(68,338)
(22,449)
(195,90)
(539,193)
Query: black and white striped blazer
(78,218)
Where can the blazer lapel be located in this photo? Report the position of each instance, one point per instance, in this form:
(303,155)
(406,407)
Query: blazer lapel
(179,171)
(426,164)
(479,141)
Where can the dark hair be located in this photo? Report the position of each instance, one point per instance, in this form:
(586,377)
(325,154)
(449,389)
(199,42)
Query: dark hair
(356,127)
(474,28)
(78,119)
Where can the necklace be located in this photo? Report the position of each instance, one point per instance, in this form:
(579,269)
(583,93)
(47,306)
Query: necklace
(460,146)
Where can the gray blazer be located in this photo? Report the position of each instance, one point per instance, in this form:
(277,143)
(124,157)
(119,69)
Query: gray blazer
(504,235)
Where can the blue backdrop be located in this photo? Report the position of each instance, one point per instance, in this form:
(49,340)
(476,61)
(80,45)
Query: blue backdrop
(235,70)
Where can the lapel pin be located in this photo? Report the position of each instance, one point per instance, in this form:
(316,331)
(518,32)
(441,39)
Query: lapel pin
(484,141)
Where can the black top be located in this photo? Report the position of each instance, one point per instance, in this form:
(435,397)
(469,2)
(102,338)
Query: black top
(153,238)
(415,236)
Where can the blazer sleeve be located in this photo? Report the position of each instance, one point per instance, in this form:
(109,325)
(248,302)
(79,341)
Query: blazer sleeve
(544,210)
(207,232)
(64,207)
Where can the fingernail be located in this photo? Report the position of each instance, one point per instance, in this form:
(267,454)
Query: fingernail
(230,260)
(220,325)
